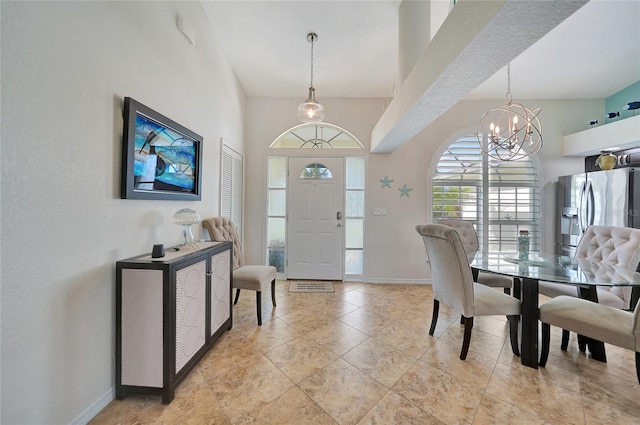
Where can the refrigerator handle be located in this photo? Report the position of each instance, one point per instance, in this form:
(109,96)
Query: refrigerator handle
(581,212)
(590,204)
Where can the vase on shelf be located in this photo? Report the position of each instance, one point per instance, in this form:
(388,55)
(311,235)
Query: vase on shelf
(606,161)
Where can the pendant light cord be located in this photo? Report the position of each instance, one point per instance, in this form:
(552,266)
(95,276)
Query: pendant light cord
(312,39)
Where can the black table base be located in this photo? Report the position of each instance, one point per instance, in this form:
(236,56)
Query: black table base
(526,290)
(530,316)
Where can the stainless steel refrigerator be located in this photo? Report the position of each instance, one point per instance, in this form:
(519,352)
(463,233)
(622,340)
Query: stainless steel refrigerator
(610,198)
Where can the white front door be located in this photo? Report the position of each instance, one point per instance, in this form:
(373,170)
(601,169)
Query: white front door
(315,218)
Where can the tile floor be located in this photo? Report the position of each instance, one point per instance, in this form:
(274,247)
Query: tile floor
(362,355)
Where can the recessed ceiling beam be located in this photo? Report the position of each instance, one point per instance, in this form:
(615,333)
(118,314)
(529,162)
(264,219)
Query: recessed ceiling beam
(476,40)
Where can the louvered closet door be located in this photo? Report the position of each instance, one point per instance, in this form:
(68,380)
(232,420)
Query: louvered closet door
(232,186)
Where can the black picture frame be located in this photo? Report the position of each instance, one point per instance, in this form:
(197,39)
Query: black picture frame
(161,159)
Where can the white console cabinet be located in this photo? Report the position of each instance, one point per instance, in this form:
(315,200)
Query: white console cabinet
(169,311)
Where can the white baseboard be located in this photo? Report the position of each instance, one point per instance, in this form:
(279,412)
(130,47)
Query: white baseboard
(95,407)
(358,279)
(399,281)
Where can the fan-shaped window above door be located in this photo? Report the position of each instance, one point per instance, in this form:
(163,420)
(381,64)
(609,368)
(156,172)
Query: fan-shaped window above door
(315,171)
(316,135)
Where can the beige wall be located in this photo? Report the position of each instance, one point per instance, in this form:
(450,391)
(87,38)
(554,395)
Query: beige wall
(66,67)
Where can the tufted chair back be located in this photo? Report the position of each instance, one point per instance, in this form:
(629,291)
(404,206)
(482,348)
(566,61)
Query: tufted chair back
(469,239)
(468,235)
(222,229)
(619,246)
(450,271)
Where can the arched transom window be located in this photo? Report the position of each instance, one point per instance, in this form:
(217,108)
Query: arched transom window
(317,135)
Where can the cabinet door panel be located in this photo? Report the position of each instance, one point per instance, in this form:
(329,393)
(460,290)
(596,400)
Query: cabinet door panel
(141,328)
(190,311)
(220,290)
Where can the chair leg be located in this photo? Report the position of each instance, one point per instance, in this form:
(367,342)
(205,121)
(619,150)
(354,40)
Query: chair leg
(546,338)
(638,366)
(565,340)
(513,332)
(259,306)
(273,292)
(468,325)
(237,296)
(434,316)
(582,343)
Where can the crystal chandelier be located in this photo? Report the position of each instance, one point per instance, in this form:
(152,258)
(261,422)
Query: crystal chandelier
(514,131)
(310,110)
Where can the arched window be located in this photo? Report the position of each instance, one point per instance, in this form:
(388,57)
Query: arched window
(316,135)
(500,197)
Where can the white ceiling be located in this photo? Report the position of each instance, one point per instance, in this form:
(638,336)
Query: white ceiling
(592,54)
(266,43)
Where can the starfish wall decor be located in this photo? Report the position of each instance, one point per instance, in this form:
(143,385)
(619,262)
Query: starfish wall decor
(404,191)
(386,182)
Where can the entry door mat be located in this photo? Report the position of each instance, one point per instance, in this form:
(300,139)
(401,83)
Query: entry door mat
(311,287)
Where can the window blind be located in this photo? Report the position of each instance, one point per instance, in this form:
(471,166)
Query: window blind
(500,197)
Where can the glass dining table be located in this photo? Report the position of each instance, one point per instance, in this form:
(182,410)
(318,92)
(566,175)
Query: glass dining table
(586,275)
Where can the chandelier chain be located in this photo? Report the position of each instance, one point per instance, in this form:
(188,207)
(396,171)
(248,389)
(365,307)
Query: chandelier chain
(509,99)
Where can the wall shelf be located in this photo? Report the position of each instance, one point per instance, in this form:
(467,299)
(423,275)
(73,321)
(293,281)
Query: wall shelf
(622,134)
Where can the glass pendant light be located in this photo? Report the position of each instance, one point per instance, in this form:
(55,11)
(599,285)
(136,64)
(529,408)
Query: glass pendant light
(310,110)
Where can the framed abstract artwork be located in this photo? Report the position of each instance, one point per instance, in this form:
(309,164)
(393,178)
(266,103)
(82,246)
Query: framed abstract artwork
(161,159)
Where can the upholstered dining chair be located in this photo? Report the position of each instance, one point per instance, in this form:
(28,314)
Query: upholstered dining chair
(454,286)
(618,246)
(469,239)
(597,321)
(255,278)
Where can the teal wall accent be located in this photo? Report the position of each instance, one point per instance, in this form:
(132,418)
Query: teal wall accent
(615,102)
